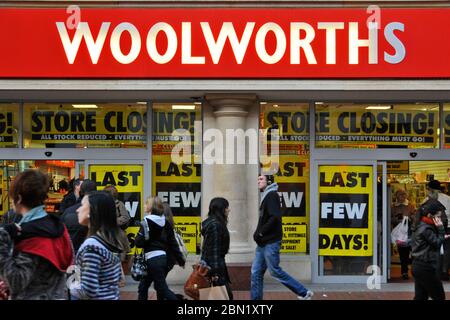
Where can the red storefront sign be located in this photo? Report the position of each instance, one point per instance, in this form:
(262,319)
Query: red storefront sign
(225,43)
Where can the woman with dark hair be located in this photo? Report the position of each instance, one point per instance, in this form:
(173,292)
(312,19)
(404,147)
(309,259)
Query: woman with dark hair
(36,252)
(157,238)
(216,242)
(99,256)
(428,236)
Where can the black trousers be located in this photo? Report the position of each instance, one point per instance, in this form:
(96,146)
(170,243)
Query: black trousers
(403,252)
(426,282)
(157,271)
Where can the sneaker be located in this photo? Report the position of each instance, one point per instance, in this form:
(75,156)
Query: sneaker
(307,296)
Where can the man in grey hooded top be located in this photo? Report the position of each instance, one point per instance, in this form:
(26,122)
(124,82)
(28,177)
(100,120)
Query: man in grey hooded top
(268,236)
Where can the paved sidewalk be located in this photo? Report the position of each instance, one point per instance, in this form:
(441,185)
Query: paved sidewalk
(390,291)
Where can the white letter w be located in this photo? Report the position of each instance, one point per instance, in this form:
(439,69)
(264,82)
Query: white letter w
(83,31)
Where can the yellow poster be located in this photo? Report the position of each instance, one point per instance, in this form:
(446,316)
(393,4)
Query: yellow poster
(290,166)
(106,125)
(345,210)
(348,125)
(3,196)
(447,128)
(9,115)
(175,182)
(128,180)
(294,235)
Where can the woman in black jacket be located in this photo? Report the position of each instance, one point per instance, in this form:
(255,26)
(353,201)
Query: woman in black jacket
(427,240)
(157,238)
(216,242)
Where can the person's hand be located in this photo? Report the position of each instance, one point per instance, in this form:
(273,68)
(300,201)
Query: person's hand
(437,221)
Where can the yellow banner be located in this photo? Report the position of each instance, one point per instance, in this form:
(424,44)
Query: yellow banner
(131,235)
(104,125)
(346,199)
(128,180)
(190,230)
(9,114)
(350,125)
(447,127)
(294,235)
(3,195)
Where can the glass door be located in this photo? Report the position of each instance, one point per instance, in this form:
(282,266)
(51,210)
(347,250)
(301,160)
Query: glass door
(344,221)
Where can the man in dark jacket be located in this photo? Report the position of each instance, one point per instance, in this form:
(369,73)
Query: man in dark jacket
(77,232)
(71,198)
(268,236)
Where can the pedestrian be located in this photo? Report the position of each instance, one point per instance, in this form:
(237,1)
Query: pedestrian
(171,255)
(403,208)
(156,236)
(216,242)
(77,231)
(36,252)
(426,242)
(435,192)
(98,258)
(268,236)
(72,197)
(123,220)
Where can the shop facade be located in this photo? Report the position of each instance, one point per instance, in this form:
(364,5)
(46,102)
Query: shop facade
(346,97)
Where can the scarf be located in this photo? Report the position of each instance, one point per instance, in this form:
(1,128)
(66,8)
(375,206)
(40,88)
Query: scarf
(269,188)
(427,220)
(33,214)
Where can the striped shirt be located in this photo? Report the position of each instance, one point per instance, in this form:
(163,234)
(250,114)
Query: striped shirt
(100,272)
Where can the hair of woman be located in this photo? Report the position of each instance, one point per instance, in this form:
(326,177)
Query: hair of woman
(29,188)
(217,208)
(155,204)
(103,218)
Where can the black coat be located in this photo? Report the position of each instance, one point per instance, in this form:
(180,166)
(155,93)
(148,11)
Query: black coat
(269,227)
(76,231)
(216,243)
(426,244)
(160,238)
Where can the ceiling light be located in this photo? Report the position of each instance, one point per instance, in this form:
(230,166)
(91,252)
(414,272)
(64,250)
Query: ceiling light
(85,106)
(378,107)
(183,107)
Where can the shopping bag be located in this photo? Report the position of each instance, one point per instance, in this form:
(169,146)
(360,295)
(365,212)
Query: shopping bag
(214,293)
(399,234)
(197,280)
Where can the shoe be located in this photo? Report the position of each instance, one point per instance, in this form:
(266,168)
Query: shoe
(405,276)
(307,296)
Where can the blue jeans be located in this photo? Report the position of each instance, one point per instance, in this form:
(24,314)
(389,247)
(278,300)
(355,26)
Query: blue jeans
(269,257)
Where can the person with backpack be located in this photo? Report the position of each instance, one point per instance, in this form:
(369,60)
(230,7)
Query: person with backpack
(157,238)
(216,243)
(36,252)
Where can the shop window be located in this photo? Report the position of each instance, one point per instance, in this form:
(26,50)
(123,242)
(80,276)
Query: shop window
(176,176)
(447,125)
(61,174)
(85,125)
(290,167)
(9,125)
(374,126)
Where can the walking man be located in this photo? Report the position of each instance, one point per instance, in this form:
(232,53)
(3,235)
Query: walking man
(268,236)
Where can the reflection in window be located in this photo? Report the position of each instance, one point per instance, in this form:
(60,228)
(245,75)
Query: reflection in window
(9,125)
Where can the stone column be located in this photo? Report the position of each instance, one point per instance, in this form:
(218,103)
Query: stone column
(230,178)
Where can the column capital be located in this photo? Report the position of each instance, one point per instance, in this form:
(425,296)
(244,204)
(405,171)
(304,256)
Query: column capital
(231,105)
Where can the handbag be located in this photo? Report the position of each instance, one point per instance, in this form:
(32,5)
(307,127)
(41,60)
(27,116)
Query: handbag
(139,267)
(197,280)
(181,245)
(399,234)
(214,293)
